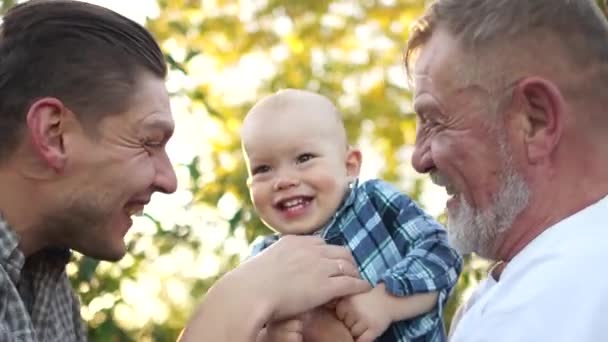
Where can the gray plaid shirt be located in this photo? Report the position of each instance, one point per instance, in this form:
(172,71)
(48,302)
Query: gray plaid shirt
(37,302)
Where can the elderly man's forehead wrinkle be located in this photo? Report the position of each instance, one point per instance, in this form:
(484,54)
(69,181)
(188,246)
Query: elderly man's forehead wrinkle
(441,64)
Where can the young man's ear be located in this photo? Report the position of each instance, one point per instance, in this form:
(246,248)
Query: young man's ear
(353,163)
(45,122)
(543,110)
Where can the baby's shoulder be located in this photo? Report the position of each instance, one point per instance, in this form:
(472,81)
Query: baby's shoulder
(383,190)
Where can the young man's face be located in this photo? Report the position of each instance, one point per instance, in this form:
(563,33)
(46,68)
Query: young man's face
(110,177)
(299,167)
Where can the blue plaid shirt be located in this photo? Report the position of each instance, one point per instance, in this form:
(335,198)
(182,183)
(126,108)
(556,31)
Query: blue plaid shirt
(396,243)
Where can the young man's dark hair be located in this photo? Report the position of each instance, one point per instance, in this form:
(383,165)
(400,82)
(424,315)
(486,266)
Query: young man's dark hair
(87,56)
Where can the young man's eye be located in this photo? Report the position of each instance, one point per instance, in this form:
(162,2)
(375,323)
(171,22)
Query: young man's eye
(260,169)
(305,157)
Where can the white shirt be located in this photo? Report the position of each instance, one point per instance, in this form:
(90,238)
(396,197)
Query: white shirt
(555,289)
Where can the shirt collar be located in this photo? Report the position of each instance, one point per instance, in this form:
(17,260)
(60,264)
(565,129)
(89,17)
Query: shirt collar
(13,260)
(330,230)
(350,198)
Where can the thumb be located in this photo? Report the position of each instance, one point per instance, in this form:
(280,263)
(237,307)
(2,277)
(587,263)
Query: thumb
(347,286)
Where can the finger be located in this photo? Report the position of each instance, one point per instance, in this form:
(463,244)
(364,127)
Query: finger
(280,335)
(367,336)
(341,309)
(284,336)
(294,325)
(262,336)
(331,305)
(358,329)
(345,286)
(303,239)
(337,252)
(292,337)
(339,267)
(286,326)
(350,320)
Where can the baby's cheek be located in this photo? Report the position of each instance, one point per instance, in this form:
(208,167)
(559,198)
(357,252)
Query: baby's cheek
(257,196)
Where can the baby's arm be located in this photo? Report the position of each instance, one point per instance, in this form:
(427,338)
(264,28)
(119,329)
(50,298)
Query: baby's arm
(429,268)
(402,308)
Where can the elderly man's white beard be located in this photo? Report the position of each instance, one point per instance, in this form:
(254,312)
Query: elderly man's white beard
(471,230)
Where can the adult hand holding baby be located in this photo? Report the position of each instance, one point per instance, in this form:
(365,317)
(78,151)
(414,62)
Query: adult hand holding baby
(294,275)
(301,273)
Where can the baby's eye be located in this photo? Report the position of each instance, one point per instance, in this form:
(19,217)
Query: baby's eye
(302,158)
(260,169)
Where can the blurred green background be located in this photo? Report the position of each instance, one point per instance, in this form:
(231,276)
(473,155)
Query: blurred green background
(223,55)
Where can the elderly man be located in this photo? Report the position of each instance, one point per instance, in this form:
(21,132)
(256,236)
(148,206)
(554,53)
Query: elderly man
(84,119)
(512,121)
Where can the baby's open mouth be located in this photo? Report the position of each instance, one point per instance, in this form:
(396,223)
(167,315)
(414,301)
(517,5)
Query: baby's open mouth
(294,203)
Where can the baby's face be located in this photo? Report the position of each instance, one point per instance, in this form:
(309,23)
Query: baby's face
(299,167)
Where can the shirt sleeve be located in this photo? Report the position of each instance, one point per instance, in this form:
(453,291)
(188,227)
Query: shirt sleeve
(429,263)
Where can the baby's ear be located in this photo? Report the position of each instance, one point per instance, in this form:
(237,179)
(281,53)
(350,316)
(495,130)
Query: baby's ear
(353,163)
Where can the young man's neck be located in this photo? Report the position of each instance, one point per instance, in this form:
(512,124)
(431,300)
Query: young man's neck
(19,207)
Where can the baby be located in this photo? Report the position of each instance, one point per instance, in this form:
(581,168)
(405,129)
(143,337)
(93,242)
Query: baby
(303,181)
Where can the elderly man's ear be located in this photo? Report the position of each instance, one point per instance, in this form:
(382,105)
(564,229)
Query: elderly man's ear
(541,107)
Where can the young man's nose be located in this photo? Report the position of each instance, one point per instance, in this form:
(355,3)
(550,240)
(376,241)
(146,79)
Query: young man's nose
(165,180)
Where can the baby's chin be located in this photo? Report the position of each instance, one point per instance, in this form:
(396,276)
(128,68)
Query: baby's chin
(306,231)
(296,230)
